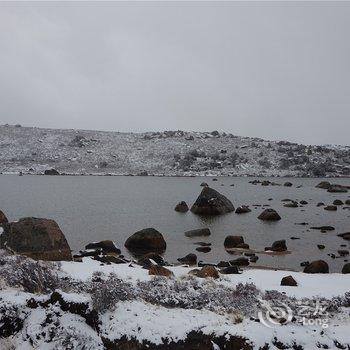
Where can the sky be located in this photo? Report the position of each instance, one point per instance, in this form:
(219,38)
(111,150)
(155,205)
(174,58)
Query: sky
(275,70)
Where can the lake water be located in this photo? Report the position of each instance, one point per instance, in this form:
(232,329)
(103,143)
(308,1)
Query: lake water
(95,208)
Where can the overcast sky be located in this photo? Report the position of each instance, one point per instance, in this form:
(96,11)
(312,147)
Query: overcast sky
(272,70)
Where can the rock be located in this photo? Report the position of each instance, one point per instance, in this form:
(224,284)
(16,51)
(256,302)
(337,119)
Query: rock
(269,215)
(330,208)
(203,244)
(204,184)
(146,260)
(241,261)
(243,246)
(323,228)
(147,240)
(229,270)
(189,259)
(233,241)
(343,252)
(198,232)
(288,184)
(207,271)
(292,204)
(203,249)
(321,246)
(289,281)
(337,189)
(211,202)
(346,268)
(278,246)
(345,235)
(106,246)
(156,270)
(3,218)
(254,258)
(223,264)
(303,202)
(242,209)
(320,204)
(40,239)
(293,237)
(347,202)
(324,185)
(182,207)
(51,172)
(305,263)
(215,179)
(110,259)
(337,202)
(318,266)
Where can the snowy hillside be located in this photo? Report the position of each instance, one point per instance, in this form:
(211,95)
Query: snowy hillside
(34,150)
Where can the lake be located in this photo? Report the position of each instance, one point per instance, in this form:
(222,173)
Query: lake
(93,208)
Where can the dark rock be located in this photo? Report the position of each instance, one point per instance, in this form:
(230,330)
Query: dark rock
(269,215)
(204,263)
(147,240)
(230,270)
(337,202)
(233,241)
(3,218)
(320,204)
(323,228)
(254,258)
(243,246)
(294,237)
(40,239)
(288,184)
(157,270)
(324,185)
(345,235)
(204,184)
(289,281)
(346,268)
(189,259)
(343,252)
(198,232)
(203,244)
(337,189)
(303,202)
(211,202)
(203,249)
(241,261)
(242,209)
(305,263)
(51,172)
(292,204)
(223,264)
(278,246)
(143,173)
(109,259)
(302,223)
(318,266)
(321,246)
(347,202)
(182,207)
(106,246)
(146,260)
(330,208)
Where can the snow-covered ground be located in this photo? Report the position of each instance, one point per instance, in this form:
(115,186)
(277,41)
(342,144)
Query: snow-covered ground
(34,150)
(120,306)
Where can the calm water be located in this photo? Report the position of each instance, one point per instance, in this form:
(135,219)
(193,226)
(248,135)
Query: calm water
(95,208)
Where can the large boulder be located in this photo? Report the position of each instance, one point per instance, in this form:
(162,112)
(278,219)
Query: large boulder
(289,281)
(233,241)
(146,241)
(211,202)
(269,215)
(107,247)
(278,246)
(3,218)
(36,238)
(198,232)
(324,185)
(181,207)
(346,268)
(318,266)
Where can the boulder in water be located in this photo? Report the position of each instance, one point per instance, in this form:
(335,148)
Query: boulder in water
(107,247)
(269,215)
(146,241)
(324,185)
(190,259)
(318,266)
(278,246)
(233,241)
(346,268)
(51,172)
(182,207)
(37,238)
(242,209)
(198,232)
(211,202)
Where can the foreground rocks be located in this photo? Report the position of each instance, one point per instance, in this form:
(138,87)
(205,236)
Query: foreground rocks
(36,238)
(211,202)
(181,207)
(106,247)
(146,241)
(289,281)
